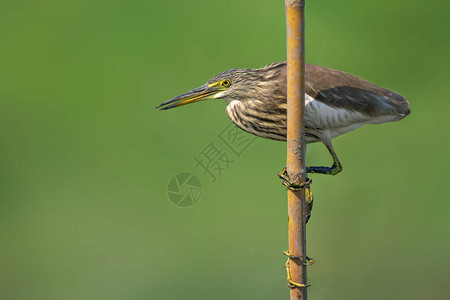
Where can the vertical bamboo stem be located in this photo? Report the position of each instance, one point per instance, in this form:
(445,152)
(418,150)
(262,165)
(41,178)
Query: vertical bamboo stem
(295,142)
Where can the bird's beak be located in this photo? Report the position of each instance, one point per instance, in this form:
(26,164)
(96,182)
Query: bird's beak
(201,93)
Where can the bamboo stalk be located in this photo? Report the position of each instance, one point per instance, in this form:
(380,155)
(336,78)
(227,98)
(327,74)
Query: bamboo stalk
(295,144)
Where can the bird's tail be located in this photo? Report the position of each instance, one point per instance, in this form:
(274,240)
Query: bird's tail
(403,108)
(398,103)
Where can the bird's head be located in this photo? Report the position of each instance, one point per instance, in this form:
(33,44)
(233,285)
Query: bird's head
(229,85)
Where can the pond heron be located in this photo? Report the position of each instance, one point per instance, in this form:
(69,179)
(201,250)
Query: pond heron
(335,103)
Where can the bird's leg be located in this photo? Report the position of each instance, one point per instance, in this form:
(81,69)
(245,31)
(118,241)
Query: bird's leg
(334,169)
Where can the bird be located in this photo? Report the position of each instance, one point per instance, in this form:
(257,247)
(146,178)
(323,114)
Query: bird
(336,103)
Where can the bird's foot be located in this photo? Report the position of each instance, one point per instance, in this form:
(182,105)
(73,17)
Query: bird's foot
(290,185)
(290,282)
(333,170)
(283,174)
(309,261)
(309,197)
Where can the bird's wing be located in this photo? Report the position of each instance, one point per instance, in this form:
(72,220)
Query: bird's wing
(336,99)
(343,90)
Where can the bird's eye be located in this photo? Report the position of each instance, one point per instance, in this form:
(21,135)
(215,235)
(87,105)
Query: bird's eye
(225,83)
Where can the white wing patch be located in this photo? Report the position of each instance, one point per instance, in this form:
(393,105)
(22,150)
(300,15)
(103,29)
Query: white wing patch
(337,121)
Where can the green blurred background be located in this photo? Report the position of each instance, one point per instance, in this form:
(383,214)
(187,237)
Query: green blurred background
(85,159)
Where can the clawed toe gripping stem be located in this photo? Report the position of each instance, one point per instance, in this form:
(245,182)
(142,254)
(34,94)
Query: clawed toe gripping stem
(309,200)
(290,282)
(290,185)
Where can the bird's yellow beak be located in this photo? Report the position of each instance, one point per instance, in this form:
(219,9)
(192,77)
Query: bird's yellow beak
(204,92)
